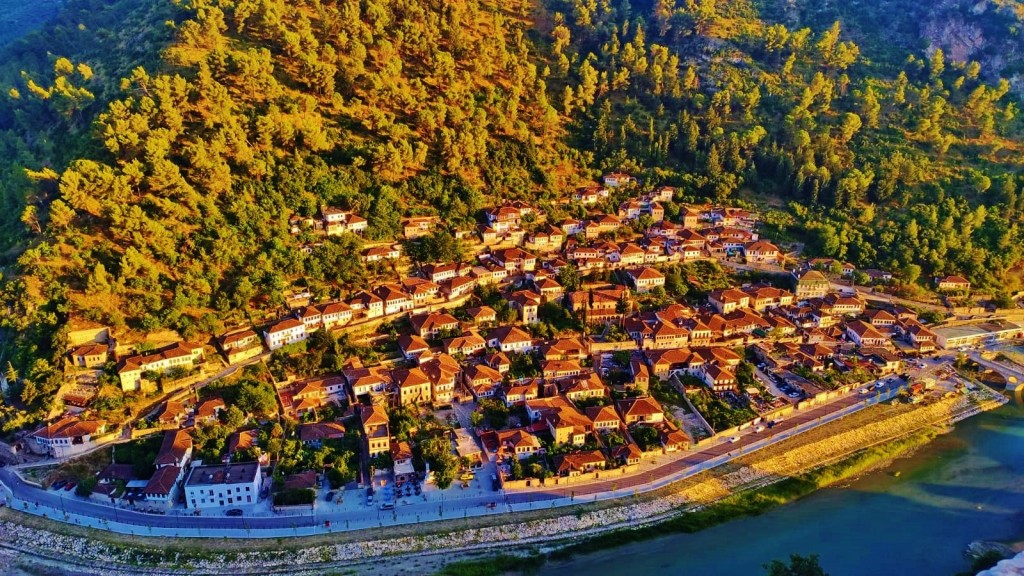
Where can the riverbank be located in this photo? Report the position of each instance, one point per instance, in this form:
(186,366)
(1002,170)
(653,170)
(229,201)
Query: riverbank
(749,484)
(759,500)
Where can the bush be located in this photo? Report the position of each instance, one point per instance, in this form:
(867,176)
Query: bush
(297,497)
(85,487)
(337,478)
(646,437)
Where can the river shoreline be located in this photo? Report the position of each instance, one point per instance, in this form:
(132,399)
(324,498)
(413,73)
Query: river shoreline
(746,503)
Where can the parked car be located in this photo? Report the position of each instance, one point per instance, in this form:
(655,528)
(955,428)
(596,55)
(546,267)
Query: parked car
(863,390)
(369,499)
(387,506)
(71,484)
(758,429)
(234,512)
(734,439)
(330,496)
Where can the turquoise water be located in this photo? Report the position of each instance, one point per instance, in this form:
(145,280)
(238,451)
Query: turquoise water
(965,486)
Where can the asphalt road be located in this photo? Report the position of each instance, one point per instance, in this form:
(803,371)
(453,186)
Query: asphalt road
(720,452)
(68,503)
(710,454)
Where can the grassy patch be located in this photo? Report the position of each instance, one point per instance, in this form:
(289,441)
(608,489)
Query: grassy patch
(494,566)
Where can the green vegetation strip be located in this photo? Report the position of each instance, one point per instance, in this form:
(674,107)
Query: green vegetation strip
(494,566)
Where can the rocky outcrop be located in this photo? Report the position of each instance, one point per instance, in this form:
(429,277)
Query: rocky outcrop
(1011,567)
(960,41)
(980,548)
(982,31)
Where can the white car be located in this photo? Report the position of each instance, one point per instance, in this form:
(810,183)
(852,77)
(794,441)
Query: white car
(734,439)
(759,429)
(880,384)
(863,390)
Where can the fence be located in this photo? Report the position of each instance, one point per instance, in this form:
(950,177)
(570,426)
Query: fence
(596,347)
(678,385)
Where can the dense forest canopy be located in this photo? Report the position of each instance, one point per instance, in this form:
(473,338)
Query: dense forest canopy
(156,149)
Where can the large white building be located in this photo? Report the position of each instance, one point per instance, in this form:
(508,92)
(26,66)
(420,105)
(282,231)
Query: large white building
(287,331)
(223,486)
(178,355)
(950,337)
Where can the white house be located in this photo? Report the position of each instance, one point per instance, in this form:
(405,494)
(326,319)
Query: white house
(228,485)
(287,331)
(510,339)
(178,355)
(66,437)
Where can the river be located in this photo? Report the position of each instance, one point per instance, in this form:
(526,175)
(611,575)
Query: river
(964,486)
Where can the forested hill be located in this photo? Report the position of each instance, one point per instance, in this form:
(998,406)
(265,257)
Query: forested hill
(163,199)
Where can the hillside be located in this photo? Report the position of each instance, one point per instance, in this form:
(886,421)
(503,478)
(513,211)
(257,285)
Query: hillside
(20,18)
(163,200)
(913,169)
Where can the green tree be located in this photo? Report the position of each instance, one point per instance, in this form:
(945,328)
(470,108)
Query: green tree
(86,486)
(910,273)
(439,246)
(437,452)
(870,108)
(516,469)
(61,214)
(233,417)
(257,398)
(569,277)
(798,566)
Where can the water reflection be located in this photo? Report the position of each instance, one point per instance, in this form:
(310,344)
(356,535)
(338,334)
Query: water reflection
(965,486)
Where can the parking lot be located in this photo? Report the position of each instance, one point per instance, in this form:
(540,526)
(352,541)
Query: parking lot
(777,386)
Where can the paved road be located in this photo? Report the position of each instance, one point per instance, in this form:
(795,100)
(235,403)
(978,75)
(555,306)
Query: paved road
(67,506)
(720,452)
(58,504)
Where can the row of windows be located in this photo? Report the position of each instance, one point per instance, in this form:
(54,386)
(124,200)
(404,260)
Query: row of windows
(237,490)
(248,499)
